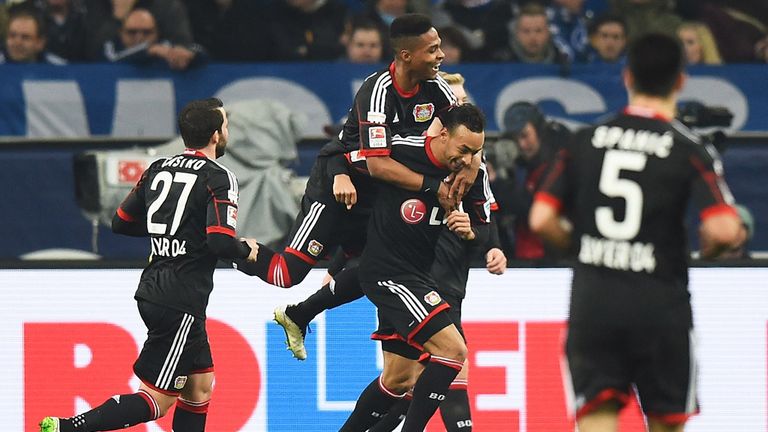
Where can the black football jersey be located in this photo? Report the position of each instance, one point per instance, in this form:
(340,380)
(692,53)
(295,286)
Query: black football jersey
(626,185)
(453,256)
(380,100)
(182,198)
(404,225)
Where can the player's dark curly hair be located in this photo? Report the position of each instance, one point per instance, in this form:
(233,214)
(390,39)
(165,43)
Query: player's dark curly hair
(198,120)
(408,26)
(655,61)
(466,114)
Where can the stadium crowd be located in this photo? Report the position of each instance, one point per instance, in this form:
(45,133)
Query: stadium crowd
(188,33)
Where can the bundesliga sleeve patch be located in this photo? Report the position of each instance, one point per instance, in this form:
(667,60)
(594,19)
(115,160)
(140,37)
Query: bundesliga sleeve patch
(232,216)
(377,137)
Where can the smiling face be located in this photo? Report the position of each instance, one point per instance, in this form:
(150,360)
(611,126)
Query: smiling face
(424,56)
(461,145)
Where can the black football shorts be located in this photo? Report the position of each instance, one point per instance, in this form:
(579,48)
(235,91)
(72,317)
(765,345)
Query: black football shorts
(176,347)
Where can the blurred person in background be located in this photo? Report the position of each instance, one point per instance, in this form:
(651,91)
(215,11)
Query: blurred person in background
(25,40)
(569,23)
(740,28)
(530,39)
(65,27)
(229,30)
(608,39)
(105,19)
(647,16)
(382,13)
(139,42)
(482,22)
(535,141)
(300,30)
(699,44)
(365,43)
(747,231)
(454,45)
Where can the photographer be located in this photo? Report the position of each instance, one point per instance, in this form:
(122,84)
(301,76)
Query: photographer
(518,160)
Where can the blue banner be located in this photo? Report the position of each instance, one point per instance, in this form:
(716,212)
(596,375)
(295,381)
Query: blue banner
(127,101)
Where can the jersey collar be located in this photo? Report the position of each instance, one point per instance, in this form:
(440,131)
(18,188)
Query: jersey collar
(194,152)
(400,91)
(638,111)
(430,154)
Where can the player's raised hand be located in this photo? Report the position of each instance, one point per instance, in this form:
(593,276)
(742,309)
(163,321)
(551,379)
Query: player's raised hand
(463,179)
(496,261)
(459,223)
(344,191)
(448,204)
(254,249)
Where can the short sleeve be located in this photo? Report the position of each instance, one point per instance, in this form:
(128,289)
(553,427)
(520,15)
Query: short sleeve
(222,203)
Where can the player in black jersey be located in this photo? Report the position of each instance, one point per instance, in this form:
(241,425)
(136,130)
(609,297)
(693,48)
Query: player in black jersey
(625,185)
(187,205)
(394,273)
(404,99)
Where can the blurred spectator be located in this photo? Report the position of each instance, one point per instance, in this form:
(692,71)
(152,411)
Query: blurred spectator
(530,40)
(608,39)
(529,142)
(65,26)
(382,13)
(25,40)
(365,44)
(740,28)
(306,29)
(568,22)
(105,18)
(454,44)
(456,82)
(230,30)
(699,44)
(482,22)
(139,42)
(647,16)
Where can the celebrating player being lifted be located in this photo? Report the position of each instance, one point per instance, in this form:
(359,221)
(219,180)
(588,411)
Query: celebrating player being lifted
(403,99)
(187,205)
(626,184)
(395,274)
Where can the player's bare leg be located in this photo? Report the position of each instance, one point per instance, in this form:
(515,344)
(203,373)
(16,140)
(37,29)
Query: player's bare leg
(604,418)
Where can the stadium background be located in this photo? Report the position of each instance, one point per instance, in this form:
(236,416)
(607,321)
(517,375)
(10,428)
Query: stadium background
(69,336)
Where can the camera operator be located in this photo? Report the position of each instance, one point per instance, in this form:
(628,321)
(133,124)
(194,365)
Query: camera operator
(518,160)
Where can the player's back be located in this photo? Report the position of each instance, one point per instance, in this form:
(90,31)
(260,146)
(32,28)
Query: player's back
(177,192)
(633,177)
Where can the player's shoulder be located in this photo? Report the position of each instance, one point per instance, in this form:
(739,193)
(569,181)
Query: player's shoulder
(438,85)
(378,80)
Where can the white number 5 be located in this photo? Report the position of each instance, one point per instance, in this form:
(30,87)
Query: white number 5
(615,187)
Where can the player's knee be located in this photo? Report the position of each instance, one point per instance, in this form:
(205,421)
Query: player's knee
(455,350)
(398,381)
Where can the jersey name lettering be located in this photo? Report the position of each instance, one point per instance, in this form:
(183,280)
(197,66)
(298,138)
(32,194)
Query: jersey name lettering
(168,248)
(182,162)
(614,137)
(617,255)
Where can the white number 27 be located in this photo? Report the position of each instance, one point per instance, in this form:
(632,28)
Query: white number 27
(615,187)
(166,179)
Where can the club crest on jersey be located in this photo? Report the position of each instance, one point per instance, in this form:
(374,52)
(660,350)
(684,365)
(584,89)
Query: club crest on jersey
(315,247)
(413,211)
(432,298)
(377,137)
(232,216)
(180,382)
(423,112)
